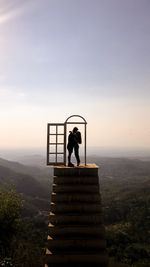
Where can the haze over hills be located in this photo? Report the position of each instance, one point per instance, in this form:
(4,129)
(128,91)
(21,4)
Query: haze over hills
(36,181)
(34,156)
(34,165)
(31,165)
(121,167)
(24,183)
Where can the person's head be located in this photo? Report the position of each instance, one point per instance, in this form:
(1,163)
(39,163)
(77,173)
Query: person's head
(75,129)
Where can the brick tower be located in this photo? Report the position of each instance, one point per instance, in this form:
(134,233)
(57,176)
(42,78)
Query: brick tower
(76,234)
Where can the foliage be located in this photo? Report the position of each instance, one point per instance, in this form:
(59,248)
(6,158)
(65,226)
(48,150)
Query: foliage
(123,245)
(126,212)
(29,243)
(22,239)
(10,207)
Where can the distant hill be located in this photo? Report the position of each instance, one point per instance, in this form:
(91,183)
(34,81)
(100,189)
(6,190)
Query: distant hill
(24,183)
(35,192)
(121,167)
(32,160)
(38,171)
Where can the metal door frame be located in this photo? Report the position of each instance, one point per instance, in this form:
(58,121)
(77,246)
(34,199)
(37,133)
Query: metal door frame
(84,122)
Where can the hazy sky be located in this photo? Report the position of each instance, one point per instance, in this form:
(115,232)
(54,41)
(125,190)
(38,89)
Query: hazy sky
(64,57)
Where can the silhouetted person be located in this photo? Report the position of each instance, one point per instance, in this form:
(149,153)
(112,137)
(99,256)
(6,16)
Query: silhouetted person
(74,139)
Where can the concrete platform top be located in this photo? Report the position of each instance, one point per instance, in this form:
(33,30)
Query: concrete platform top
(82,170)
(89,165)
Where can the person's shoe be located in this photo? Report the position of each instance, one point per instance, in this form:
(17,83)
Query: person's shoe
(70,164)
(78,163)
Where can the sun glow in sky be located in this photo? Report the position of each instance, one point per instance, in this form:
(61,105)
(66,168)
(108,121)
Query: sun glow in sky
(65,57)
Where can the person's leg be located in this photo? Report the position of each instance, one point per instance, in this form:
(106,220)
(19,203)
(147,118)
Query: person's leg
(69,156)
(76,151)
(70,150)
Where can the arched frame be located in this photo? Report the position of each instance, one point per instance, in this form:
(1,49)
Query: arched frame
(83,122)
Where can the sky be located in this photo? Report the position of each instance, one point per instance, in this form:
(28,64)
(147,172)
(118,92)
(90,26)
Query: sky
(65,57)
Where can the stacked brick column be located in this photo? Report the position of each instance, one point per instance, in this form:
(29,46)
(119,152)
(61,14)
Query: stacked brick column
(76,231)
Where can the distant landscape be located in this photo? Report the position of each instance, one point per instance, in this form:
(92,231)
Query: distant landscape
(125,191)
(31,155)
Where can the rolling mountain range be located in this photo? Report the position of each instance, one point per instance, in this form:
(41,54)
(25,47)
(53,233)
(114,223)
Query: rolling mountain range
(120,177)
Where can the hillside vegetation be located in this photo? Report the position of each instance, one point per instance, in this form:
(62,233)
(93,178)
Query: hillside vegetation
(125,191)
(24,207)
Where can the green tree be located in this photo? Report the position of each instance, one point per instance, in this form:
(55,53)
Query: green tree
(10,210)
